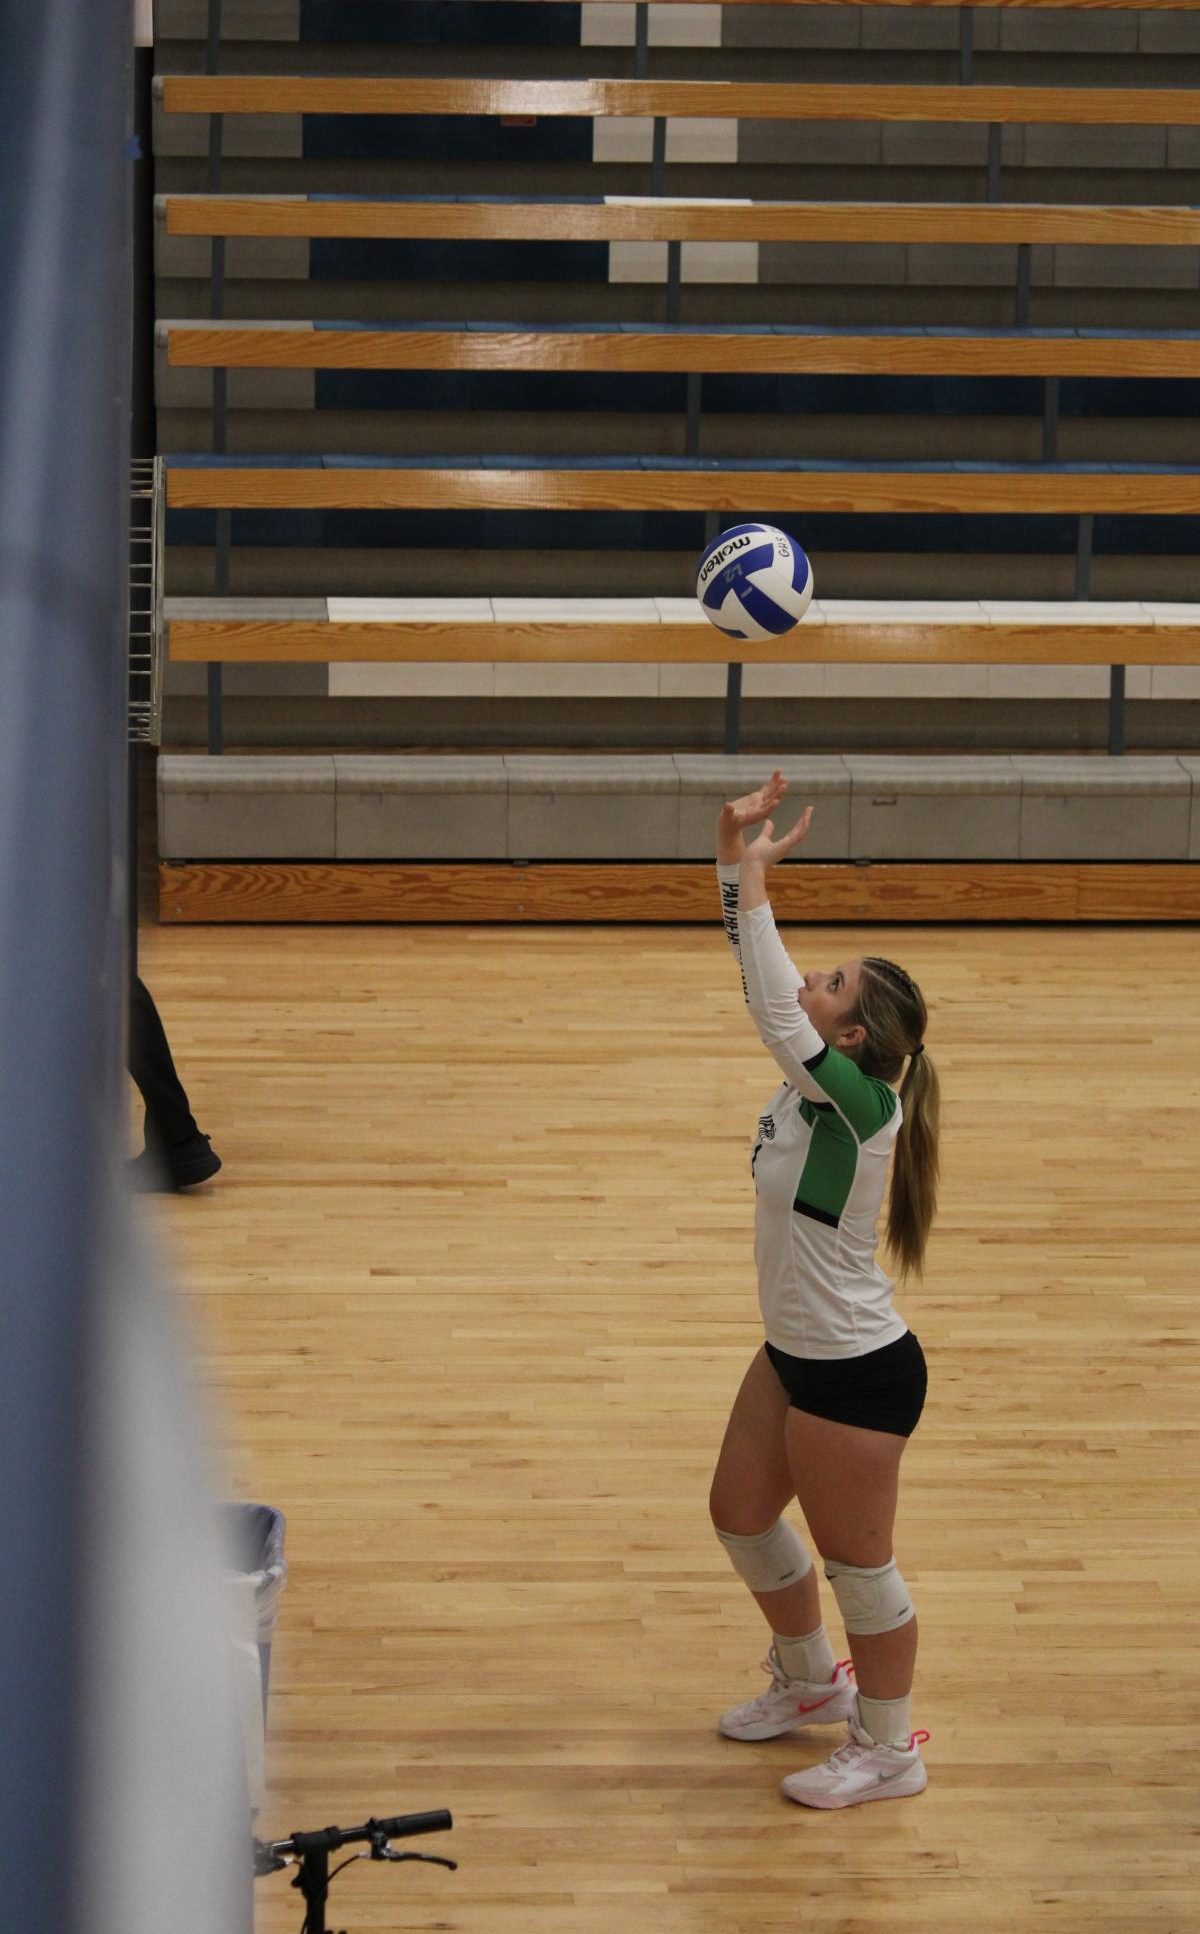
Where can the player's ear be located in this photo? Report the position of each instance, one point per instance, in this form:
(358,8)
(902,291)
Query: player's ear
(851,1037)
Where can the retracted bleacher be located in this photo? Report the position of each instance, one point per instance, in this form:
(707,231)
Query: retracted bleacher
(1001,502)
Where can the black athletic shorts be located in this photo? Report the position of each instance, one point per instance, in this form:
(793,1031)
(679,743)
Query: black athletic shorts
(884,1390)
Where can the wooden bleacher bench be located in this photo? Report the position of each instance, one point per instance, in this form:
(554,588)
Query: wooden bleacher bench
(673,630)
(721,100)
(665,218)
(780,350)
(684,483)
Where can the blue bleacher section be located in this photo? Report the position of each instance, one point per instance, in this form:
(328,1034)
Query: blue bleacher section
(554,390)
(444,137)
(424,23)
(351,260)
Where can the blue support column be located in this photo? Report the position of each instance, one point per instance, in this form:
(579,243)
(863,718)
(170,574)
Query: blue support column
(65,338)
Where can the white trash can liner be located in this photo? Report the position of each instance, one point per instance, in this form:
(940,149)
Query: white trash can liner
(254,1539)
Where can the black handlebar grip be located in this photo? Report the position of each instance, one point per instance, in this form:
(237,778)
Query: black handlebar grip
(404,1824)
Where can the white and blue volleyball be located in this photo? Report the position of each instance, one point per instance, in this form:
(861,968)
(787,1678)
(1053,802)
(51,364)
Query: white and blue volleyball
(754,582)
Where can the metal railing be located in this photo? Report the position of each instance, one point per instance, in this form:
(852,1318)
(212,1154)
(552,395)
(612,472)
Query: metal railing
(146,602)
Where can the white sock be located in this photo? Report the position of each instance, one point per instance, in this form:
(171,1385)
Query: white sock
(888,1721)
(809,1658)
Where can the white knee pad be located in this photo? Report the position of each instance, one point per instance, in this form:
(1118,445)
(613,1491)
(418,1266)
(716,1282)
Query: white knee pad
(769,1561)
(870,1600)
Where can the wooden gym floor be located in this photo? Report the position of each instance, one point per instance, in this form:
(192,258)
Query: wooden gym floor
(473,1293)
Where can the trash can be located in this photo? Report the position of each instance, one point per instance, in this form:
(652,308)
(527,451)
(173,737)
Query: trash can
(254,1541)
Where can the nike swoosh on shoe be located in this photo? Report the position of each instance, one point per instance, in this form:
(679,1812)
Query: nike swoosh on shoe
(817,1703)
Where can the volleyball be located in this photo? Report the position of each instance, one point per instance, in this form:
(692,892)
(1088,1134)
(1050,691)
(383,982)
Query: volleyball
(754,581)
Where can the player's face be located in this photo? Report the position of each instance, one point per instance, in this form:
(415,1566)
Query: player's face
(828,995)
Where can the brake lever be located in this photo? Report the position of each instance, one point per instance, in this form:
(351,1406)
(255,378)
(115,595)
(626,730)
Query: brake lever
(380,1850)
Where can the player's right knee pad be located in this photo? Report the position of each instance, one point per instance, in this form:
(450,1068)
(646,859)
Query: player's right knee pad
(770,1560)
(870,1600)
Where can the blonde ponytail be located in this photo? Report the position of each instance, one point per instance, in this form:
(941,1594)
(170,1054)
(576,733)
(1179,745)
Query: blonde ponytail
(913,1196)
(892,1009)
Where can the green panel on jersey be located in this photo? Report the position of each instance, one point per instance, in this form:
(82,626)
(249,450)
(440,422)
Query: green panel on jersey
(867,1104)
(829,1168)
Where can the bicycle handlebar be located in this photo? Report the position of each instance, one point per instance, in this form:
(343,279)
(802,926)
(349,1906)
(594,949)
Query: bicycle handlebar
(400,1826)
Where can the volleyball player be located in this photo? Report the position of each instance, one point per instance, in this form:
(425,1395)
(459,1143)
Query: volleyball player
(831,1398)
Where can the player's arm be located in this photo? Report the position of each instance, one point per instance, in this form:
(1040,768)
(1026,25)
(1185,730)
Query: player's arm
(732,820)
(770,977)
(772,986)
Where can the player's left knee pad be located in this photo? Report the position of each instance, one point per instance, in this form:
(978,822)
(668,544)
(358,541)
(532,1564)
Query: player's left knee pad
(870,1600)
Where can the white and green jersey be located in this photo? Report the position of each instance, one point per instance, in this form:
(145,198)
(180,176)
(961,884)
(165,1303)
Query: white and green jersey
(820,1164)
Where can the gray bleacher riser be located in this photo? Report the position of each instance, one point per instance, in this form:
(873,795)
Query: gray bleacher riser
(1126,808)
(951,808)
(420,808)
(617,807)
(707,780)
(663,806)
(1191,766)
(243,808)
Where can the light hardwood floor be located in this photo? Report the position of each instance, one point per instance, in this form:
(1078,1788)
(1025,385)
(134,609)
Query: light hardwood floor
(473,1293)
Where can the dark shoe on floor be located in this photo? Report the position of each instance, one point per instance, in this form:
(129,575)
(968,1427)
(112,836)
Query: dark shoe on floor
(165,1171)
(192,1162)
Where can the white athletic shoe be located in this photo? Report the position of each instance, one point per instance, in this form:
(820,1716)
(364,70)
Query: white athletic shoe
(861,1770)
(788,1705)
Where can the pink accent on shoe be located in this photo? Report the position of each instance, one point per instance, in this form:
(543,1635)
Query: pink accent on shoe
(917,1739)
(818,1703)
(843,1665)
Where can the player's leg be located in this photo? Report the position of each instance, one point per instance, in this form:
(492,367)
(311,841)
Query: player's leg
(751,1487)
(847,1480)
(176,1155)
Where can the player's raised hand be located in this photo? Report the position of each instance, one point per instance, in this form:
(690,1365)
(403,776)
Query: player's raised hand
(768,850)
(752,807)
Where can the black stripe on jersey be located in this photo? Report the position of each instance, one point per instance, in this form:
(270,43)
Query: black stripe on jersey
(815,1215)
(817,1058)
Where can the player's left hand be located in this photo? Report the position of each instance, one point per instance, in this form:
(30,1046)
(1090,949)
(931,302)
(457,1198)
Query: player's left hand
(768,850)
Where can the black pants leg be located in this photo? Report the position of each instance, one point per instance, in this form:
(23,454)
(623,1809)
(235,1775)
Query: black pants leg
(169,1120)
